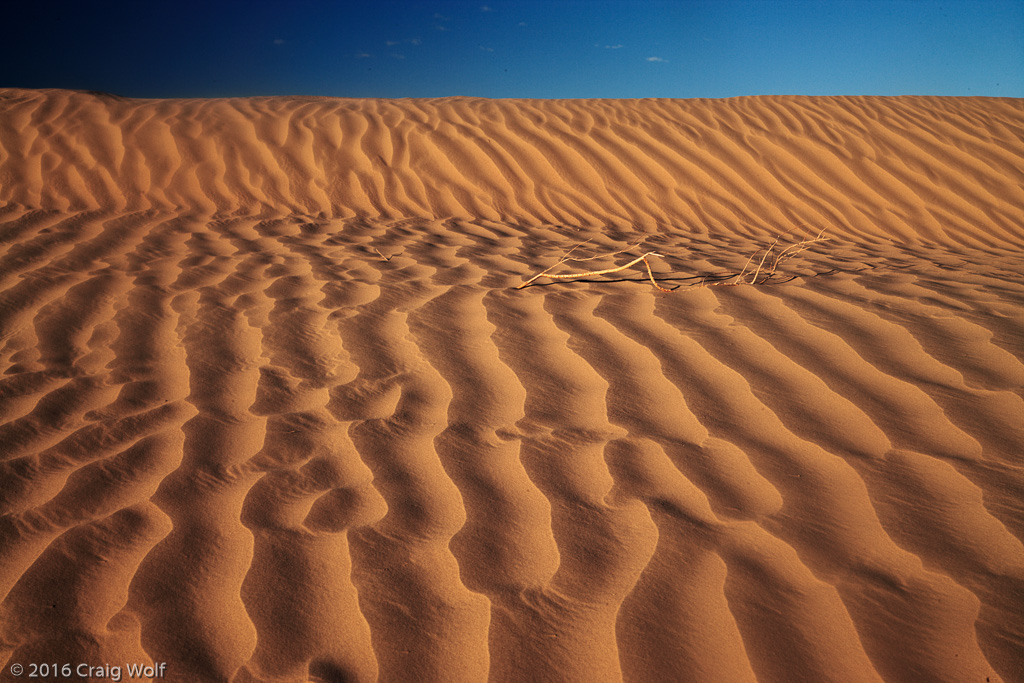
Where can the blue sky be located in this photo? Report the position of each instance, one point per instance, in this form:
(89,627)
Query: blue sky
(520,48)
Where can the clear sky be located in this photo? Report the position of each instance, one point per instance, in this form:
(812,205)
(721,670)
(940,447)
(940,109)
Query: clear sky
(517,48)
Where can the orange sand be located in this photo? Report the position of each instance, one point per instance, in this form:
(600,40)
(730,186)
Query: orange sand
(271,408)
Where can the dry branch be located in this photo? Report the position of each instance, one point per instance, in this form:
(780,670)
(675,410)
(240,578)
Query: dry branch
(567,276)
(766,266)
(789,252)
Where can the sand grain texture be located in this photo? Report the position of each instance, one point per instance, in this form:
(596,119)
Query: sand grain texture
(271,408)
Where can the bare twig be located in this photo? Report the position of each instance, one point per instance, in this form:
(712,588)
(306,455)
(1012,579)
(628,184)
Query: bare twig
(565,256)
(568,276)
(795,249)
(766,266)
(739,278)
(386,258)
(563,259)
(773,264)
(651,275)
(753,280)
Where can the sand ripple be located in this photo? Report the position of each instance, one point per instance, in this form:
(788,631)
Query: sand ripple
(944,170)
(264,444)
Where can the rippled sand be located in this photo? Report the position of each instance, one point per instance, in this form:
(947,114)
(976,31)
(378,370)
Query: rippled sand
(272,408)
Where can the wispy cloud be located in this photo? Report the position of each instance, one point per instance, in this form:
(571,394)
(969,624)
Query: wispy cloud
(363,55)
(397,56)
(410,41)
(486,49)
(486,8)
(278,41)
(656,59)
(521,23)
(617,46)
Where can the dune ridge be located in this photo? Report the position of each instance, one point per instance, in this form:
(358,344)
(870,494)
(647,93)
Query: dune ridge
(264,438)
(945,170)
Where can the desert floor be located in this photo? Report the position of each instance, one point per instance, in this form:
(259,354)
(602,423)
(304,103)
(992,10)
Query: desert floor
(272,407)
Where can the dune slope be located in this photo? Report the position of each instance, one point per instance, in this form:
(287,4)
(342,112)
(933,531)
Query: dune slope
(272,408)
(911,169)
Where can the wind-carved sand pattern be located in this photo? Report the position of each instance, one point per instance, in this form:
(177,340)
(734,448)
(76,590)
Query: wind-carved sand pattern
(272,407)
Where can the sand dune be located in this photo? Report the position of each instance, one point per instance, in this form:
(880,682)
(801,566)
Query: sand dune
(945,170)
(272,409)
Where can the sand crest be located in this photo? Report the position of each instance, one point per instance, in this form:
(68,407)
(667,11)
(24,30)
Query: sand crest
(272,408)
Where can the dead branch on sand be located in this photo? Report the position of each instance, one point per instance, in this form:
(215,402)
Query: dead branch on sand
(766,267)
(789,252)
(568,276)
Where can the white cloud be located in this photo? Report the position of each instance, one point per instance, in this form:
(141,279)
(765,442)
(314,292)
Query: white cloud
(397,56)
(521,23)
(278,41)
(389,43)
(487,49)
(614,47)
(415,41)
(656,59)
(363,55)
(486,8)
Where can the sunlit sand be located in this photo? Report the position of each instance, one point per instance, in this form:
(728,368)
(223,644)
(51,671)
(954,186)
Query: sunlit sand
(275,405)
